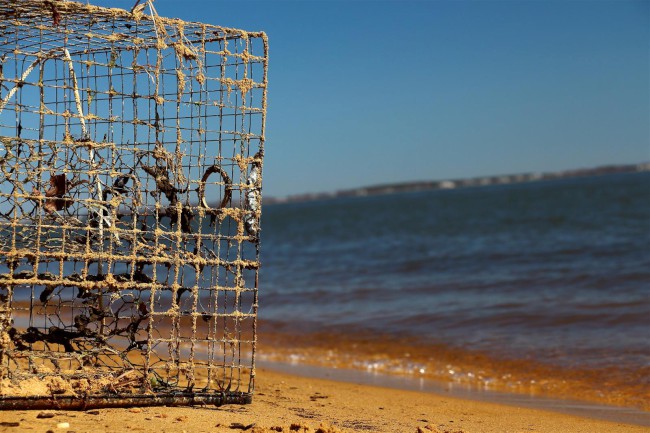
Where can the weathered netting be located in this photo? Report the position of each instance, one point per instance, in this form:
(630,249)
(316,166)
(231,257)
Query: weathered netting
(131,151)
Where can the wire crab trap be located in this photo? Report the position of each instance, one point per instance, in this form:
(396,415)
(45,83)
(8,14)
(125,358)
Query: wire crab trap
(131,151)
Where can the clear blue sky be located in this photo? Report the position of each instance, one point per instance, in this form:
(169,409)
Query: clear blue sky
(367,92)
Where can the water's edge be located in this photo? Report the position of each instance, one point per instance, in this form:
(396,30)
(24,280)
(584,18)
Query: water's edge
(582,409)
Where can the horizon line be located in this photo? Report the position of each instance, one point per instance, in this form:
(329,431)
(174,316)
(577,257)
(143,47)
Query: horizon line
(475,181)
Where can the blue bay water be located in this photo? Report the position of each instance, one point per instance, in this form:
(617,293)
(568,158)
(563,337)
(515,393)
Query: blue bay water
(555,271)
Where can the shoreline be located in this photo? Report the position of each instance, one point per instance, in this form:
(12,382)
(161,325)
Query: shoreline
(290,403)
(582,409)
(414,360)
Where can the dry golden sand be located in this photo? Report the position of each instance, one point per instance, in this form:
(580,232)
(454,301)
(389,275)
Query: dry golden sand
(289,403)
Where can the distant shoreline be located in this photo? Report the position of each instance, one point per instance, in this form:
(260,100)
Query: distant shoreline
(401,187)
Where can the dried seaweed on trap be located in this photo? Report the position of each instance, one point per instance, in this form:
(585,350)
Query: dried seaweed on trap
(131,152)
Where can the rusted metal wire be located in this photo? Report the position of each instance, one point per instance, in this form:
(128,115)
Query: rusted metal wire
(131,152)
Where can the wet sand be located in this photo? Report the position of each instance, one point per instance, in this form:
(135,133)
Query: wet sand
(462,368)
(286,403)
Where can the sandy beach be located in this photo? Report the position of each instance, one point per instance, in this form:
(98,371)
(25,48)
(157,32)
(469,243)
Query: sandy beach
(455,227)
(288,403)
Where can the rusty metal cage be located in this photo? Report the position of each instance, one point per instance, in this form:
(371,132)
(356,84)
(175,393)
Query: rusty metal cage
(131,150)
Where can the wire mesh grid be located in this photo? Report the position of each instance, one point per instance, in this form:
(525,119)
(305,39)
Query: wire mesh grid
(131,151)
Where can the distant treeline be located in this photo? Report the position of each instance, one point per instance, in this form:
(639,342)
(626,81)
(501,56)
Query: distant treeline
(461,183)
